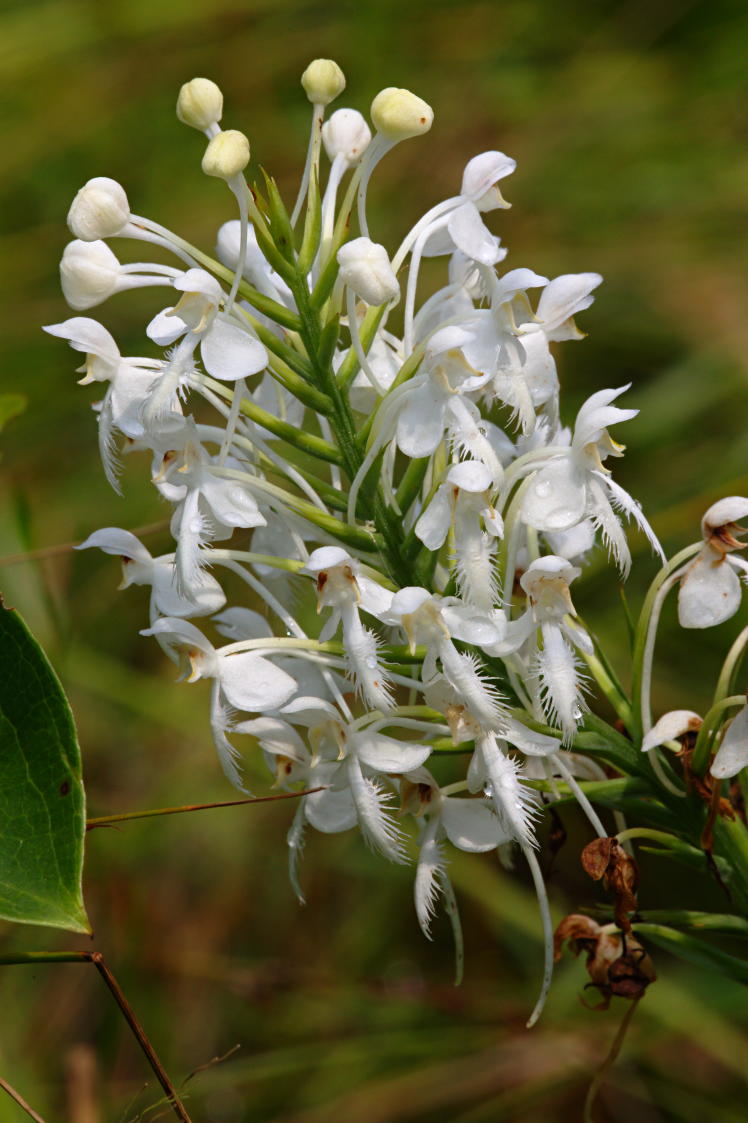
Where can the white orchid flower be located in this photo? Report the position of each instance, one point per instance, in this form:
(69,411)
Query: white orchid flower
(559,303)
(130,383)
(228,350)
(469,824)
(140,568)
(710,591)
(208,506)
(350,760)
(521,376)
(242,680)
(512,342)
(434,621)
(463,503)
(461,226)
(731,756)
(574,485)
(342,587)
(546,582)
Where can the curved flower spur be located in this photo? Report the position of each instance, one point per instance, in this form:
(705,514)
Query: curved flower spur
(325,441)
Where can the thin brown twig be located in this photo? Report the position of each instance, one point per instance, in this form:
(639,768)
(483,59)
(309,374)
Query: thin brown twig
(68,547)
(212,1063)
(14,1095)
(140,1035)
(105,820)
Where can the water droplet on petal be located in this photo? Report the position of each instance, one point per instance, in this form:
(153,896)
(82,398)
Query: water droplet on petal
(542,489)
(370,662)
(576,713)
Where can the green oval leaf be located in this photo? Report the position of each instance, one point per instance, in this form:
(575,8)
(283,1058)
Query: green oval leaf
(42,801)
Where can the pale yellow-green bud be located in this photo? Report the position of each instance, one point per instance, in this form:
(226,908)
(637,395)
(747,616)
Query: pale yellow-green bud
(323,80)
(200,103)
(399,114)
(227,154)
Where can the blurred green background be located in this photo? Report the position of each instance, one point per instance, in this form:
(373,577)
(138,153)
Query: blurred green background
(628,121)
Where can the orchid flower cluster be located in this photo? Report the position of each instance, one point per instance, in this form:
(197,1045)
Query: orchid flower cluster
(323,439)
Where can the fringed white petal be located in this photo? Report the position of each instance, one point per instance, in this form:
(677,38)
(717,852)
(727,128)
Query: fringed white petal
(514,803)
(607,522)
(295,839)
(110,458)
(377,822)
(427,887)
(361,654)
(477,693)
(557,671)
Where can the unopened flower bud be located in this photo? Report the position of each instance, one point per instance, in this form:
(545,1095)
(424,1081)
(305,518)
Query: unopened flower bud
(365,268)
(99,210)
(89,273)
(399,114)
(200,103)
(347,134)
(323,81)
(227,154)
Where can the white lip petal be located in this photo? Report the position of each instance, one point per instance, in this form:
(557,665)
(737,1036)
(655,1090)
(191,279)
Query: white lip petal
(557,498)
(385,754)
(470,824)
(230,353)
(253,683)
(709,593)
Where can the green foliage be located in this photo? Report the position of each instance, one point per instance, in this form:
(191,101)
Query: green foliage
(686,946)
(42,803)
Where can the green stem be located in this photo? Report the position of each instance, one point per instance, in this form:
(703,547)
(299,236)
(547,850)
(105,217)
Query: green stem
(341,420)
(306,442)
(731,666)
